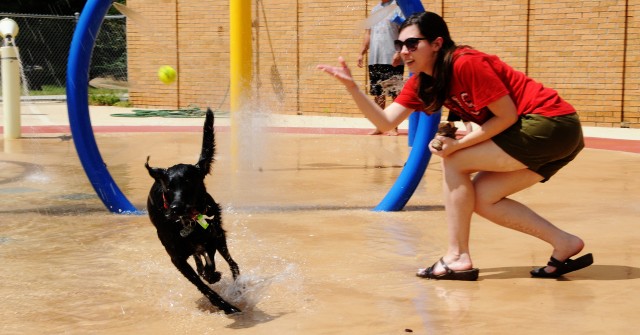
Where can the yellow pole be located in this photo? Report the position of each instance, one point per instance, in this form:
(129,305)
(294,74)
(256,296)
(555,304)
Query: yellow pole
(240,58)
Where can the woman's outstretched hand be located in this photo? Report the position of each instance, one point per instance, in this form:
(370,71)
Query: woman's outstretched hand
(342,72)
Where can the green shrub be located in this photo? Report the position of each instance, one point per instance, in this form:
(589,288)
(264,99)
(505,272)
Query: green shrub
(103,99)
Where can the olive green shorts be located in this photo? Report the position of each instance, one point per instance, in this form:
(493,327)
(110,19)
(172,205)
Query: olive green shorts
(543,144)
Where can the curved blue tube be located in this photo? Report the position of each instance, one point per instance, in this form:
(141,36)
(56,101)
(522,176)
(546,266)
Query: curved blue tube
(415,166)
(409,7)
(422,128)
(413,126)
(78,106)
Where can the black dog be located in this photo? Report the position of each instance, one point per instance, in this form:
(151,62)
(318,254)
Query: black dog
(188,219)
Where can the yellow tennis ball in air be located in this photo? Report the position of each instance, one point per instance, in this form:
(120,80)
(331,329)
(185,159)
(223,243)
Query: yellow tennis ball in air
(167,74)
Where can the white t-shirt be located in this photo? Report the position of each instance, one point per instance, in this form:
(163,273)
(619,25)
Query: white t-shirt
(383,34)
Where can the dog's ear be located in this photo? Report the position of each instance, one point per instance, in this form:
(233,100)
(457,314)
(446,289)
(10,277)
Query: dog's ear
(155,173)
(208,144)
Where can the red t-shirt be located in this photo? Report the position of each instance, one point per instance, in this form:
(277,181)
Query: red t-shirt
(480,79)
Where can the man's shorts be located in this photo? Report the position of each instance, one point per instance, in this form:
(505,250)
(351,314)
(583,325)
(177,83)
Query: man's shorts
(382,72)
(543,144)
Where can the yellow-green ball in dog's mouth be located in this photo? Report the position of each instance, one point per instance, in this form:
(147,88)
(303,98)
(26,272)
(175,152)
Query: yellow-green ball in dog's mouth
(167,74)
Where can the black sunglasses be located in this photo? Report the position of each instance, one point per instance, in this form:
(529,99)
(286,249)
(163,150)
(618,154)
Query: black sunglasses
(411,43)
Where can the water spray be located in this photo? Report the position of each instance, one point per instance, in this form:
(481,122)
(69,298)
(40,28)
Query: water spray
(10,79)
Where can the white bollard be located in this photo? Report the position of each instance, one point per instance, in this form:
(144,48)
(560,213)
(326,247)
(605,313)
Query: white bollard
(11,92)
(10,80)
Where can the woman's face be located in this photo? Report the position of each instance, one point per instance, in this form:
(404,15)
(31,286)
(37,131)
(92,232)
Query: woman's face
(423,58)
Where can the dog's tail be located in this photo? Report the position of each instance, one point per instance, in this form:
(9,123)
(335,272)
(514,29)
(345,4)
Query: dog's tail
(208,144)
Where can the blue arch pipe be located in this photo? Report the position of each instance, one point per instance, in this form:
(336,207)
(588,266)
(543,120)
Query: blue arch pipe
(422,128)
(79,60)
(416,164)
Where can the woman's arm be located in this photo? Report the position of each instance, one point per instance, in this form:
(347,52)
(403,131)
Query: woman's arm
(384,120)
(505,115)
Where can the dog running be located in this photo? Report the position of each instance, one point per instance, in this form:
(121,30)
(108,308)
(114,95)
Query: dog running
(188,220)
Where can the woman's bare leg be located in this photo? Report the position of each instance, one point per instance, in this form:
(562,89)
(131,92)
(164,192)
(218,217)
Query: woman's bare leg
(492,189)
(459,196)
(487,194)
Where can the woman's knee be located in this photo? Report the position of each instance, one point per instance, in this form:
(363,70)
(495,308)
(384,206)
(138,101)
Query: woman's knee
(481,205)
(455,164)
(485,194)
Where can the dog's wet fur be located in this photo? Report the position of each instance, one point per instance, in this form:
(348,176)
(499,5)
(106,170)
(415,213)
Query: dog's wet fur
(188,220)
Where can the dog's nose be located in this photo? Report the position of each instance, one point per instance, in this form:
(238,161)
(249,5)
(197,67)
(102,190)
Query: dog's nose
(176,208)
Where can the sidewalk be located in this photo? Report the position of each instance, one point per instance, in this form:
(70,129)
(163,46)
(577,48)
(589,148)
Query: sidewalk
(39,114)
(52,117)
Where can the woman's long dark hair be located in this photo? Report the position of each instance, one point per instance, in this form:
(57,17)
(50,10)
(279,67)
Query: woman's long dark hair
(433,90)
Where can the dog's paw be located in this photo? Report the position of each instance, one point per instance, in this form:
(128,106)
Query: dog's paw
(231,310)
(212,276)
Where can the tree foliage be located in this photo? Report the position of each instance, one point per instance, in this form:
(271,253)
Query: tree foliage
(50,7)
(53,7)
(44,42)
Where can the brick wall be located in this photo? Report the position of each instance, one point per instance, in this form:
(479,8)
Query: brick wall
(632,67)
(151,43)
(575,47)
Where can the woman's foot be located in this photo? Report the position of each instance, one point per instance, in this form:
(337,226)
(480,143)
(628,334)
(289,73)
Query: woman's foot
(563,267)
(460,263)
(572,245)
(393,132)
(448,273)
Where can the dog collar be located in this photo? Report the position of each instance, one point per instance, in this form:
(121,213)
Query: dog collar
(164,199)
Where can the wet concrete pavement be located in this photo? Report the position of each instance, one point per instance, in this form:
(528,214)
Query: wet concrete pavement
(314,258)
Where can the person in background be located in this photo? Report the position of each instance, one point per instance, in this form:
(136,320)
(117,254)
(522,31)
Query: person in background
(385,65)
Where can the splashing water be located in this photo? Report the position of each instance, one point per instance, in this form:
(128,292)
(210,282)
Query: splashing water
(376,17)
(131,14)
(144,22)
(249,289)
(23,76)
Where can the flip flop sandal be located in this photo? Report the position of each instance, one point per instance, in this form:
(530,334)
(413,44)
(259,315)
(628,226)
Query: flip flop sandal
(562,268)
(468,275)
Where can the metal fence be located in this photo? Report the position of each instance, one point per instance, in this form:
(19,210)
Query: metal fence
(44,41)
